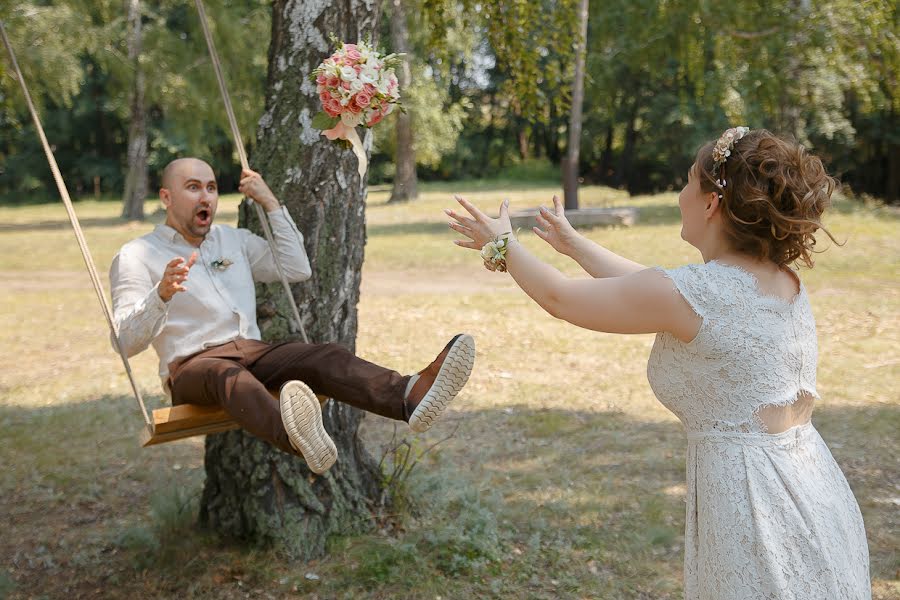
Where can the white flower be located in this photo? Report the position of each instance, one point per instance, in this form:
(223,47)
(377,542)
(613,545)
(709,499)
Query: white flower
(489,251)
(368,75)
(348,73)
(350,119)
(356,86)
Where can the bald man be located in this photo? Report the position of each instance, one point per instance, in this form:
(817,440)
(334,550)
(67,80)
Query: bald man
(187,289)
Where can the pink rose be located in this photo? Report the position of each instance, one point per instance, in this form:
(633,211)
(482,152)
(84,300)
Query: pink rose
(345,85)
(320,78)
(353,106)
(370,89)
(332,82)
(376,118)
(363,99)
(332,108)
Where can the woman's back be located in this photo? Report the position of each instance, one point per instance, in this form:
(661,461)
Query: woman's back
(752,365)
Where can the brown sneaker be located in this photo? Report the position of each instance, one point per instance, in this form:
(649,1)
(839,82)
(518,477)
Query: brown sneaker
(439,383)
(301,415)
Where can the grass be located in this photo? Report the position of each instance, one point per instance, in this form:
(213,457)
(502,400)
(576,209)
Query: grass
(565,478)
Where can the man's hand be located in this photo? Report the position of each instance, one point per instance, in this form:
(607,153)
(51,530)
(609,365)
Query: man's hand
(253,186)
(175,274)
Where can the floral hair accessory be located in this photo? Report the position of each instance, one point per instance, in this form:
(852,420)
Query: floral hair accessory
(722,150)
(357,86)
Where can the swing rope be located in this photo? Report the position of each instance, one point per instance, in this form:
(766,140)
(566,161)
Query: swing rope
(79,234)
(242,153)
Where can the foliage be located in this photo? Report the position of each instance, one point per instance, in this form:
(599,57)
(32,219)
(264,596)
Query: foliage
(491,82)
(74,57)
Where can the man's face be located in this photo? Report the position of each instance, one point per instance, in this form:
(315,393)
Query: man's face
(191,196)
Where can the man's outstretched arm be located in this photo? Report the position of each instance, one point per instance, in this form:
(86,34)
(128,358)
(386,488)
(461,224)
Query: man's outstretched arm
(288,239)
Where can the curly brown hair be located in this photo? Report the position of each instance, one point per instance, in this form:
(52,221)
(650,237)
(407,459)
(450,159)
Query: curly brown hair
(774,198)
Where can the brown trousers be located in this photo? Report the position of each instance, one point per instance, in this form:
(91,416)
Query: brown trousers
(238,375)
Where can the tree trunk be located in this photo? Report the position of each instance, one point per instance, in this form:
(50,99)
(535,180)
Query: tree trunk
(254,491)
(606,155)
(523,142)
(570,164)
(623,172)
(136,183)
(405,181)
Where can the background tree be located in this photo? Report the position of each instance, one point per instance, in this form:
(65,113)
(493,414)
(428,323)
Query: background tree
(405,150)
(253,490)
(136,182)
(573,149)
(490,91)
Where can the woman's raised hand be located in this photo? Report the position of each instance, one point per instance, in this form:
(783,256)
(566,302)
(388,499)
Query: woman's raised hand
(555,229)
(479,228)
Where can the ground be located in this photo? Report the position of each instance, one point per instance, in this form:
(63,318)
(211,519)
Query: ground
(555,475)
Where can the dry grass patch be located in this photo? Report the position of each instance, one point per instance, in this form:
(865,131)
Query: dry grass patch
(565,478)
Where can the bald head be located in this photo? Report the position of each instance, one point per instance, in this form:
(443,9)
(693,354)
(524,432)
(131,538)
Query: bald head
(191,196)
(183,168)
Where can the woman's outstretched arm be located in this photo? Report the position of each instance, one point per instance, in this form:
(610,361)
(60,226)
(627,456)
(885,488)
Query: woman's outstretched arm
(556,230)
(638,302)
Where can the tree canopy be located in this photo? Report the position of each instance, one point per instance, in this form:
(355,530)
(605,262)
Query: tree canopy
(491,86)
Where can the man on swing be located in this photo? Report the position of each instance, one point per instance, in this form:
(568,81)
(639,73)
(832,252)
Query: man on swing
(187,289)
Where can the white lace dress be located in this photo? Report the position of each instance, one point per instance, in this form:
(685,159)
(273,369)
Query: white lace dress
(769,513)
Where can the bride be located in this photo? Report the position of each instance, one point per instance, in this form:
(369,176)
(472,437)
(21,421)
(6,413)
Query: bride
(769,513)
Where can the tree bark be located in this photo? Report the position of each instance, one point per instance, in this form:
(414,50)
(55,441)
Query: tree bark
(136,182)
(573,153)
(405,179)
(254,491)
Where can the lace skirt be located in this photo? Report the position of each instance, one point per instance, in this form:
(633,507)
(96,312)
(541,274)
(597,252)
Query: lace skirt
(771,517)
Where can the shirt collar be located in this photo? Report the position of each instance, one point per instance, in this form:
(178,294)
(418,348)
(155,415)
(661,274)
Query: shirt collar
(169,234)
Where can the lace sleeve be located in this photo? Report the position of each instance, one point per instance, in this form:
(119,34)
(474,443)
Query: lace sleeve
(689,282)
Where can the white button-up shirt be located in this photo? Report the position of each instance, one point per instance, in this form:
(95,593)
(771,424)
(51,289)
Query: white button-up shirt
(219,304)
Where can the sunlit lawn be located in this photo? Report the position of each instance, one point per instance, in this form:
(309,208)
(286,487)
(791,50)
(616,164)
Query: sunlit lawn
(564,477)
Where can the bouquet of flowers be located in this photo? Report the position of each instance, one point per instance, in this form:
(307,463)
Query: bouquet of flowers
(357,86)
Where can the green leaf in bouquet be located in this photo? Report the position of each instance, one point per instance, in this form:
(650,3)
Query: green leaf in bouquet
(323,121)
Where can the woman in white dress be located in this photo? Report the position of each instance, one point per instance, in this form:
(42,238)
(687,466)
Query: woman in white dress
(769,513)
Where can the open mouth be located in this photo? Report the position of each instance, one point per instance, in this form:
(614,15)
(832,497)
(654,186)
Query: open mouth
(203,217)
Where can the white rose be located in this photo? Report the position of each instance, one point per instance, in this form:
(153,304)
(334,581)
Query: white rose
(350,119)
(348,73)
(356,86)
(489,251)
(368,75)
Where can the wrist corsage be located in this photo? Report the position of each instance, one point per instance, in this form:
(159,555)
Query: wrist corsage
(494,252)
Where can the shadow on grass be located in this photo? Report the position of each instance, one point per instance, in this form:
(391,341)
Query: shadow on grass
(421,228)
(568,504)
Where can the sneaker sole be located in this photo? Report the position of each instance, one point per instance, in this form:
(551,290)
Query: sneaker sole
(301,415)
(451,378)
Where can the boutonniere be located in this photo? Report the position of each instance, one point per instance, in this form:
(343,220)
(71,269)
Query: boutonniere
(221,264)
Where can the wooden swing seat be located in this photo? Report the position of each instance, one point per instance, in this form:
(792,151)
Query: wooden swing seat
(188,420)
